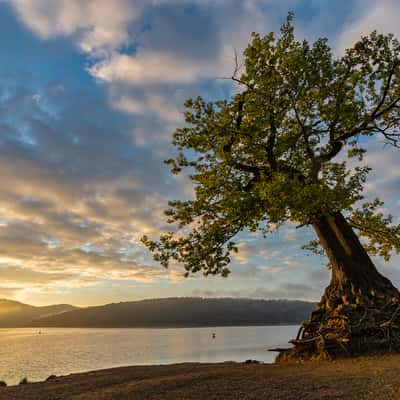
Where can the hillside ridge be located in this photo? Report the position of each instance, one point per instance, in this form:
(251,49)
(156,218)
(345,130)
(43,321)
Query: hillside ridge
(183,312)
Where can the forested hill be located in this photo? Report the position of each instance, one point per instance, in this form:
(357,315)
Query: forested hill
(16,314)
(183,312)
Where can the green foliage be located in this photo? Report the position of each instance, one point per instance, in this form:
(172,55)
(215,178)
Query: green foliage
(315,247)
(268,154)
(382,235)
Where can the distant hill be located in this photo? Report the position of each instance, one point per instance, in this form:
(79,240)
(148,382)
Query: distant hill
(16,314)
(183,312)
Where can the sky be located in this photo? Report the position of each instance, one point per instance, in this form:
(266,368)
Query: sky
(91,92)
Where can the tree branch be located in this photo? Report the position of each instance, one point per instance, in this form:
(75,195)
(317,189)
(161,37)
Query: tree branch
(378,111)
(271,143)
(386,89)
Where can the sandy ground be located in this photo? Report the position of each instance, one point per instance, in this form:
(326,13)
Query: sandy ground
(362,378)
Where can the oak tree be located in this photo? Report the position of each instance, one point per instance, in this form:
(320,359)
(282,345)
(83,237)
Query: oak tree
(278,150)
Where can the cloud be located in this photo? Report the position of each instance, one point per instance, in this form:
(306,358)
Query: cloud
(270,268)
(18,275)
(81,182)
(74,198)
(370,15)
(141,50)
(97,25)
(292,263)
(150,68)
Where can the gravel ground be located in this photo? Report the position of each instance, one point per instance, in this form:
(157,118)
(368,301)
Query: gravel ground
(375,378)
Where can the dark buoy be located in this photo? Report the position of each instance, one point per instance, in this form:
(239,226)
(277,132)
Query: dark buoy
(213,335)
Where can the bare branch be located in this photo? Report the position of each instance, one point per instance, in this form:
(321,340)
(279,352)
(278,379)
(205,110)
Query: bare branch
(386,89)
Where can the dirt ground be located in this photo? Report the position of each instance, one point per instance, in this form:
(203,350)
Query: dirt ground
(375,378)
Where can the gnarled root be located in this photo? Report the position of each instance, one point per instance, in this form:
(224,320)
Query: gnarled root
(348,325)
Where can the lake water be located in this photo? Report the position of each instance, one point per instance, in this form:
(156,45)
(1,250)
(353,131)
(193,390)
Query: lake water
(60,351)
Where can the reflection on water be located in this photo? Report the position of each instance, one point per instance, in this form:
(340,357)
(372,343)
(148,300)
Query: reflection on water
(60,351)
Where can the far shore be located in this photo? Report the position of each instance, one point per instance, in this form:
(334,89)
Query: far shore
(375,378)
(38,327)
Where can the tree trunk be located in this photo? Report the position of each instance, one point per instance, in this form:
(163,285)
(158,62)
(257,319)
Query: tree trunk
(355,278)
(359,311)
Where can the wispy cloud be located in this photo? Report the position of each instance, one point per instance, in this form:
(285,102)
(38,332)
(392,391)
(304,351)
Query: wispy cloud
(368,16)
(85,124)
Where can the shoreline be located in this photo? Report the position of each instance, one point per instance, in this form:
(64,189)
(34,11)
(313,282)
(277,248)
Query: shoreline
(147,327)
(374,377)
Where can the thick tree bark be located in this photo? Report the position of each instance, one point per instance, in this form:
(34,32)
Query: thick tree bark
(355,278)
(360,309)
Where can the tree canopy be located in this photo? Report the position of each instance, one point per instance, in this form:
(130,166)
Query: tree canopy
(279,148)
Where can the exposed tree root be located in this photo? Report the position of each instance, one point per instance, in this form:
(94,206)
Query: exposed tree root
(348,323)
(359,312)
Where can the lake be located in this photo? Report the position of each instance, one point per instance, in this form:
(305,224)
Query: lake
(60,351)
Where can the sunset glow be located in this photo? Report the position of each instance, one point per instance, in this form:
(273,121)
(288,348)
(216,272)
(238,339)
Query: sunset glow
(90,95)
